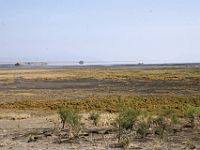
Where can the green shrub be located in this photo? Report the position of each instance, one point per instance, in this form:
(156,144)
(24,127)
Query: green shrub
(174,119)
(71,118)
(191,113)
(143,129)
(95,116)
(164,122)
(167,112)
(126,120)
(160,126)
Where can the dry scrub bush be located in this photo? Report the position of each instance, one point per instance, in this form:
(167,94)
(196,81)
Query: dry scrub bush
(164,123)
(125,120)
(143,128)
(95,117)
(160,126)
(70,118)
(191,113)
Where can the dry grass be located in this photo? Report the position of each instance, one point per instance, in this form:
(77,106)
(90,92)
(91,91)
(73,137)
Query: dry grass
(104,100)
(102,73)
(153,104)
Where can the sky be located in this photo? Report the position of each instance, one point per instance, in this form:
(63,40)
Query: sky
(149,31)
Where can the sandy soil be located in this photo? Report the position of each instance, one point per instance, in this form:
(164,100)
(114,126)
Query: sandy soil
(35,131)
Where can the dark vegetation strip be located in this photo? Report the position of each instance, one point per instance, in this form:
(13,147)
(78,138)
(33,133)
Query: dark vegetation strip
(151,104)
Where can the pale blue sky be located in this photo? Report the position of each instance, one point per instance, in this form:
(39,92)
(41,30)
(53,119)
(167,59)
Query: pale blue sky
(101,30)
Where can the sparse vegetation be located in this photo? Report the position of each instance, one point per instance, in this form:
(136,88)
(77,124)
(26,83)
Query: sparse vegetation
(191,113)
(71,118)
(166,112)
(127,117)
(125,120)
(157,81)
(120,73)
(143,129)
(165,122)
(174,119)
(179,104)
(95,116)
(164,94)
(160,126)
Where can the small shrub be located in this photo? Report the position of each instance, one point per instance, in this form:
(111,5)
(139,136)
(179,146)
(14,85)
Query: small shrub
(191,113)
(174,119)
(126,120)
(160,126)
(95,116)
(125,142)
(164,124)
(167,112)
(143,129)
(189,145)
(71,118)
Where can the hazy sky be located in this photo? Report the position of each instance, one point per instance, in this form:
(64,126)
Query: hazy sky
(103,30)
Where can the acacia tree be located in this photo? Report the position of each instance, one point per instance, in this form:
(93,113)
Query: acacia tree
(81,62)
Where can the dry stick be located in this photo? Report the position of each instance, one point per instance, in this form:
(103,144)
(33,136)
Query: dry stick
(95,143)
(104,141)
(91,140)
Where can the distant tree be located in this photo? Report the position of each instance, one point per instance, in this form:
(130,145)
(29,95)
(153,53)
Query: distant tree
(140,63)
(17,64)
(81,62)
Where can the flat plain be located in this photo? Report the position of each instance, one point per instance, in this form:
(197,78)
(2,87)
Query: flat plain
(30,98)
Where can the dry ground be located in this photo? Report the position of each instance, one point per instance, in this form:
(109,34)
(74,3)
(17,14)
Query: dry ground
(29,99)
(32,130)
